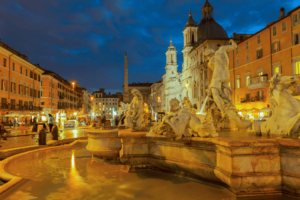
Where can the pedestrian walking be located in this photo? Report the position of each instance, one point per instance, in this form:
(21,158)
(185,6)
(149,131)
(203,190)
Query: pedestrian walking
(14,122)
(50,122)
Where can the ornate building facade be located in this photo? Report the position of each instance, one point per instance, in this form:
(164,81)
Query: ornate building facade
(274,49)
(195,76)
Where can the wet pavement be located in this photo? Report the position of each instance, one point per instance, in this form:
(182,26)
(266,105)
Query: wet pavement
(27,140)
(74,174)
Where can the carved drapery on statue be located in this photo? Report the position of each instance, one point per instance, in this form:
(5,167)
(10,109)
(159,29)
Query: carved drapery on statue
(135,116)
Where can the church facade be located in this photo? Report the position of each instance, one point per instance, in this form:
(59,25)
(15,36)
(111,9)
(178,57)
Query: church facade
(195,76)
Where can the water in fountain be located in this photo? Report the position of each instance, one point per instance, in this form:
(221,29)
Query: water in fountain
(203,106)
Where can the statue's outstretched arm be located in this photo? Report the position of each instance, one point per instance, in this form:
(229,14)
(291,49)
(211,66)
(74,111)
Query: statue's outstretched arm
(230,47)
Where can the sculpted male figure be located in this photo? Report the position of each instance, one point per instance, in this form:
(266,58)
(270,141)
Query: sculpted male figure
(219,63)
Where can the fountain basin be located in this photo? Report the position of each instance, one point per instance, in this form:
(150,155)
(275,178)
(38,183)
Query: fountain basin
(244,166)
(104,143)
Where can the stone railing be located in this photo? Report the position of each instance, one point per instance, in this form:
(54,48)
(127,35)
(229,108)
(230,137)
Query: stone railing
(258,82)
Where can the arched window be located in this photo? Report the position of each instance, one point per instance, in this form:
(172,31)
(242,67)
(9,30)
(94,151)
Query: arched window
(193,37)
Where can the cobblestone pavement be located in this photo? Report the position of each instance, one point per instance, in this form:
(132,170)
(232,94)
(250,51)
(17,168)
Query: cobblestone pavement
(29,140)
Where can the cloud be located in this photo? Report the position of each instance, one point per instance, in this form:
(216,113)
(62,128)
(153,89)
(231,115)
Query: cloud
(86,40)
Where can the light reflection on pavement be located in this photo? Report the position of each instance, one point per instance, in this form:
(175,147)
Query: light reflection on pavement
(73,174)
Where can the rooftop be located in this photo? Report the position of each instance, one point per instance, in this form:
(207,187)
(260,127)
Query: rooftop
(24,57)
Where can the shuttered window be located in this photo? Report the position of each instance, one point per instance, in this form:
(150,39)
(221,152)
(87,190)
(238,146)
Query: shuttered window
(4,85)
(259,54)
(275,47)
(20,89)
(13,87)
(283,25)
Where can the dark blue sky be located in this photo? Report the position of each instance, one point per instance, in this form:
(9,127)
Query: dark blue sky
(86,39)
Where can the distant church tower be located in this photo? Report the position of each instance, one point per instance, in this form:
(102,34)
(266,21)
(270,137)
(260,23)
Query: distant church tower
(190,39)
(171,65)
(125,90)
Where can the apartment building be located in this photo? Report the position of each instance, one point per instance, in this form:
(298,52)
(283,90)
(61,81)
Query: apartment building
(59,94)
(105,103)
(274,49)
(20,82)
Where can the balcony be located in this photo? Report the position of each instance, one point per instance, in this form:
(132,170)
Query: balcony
(258,82)
(252,99)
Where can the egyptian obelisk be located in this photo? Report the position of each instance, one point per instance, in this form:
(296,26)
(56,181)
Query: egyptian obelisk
(125,91)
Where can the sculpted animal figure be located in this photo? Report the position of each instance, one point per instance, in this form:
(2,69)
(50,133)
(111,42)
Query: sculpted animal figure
(285,120)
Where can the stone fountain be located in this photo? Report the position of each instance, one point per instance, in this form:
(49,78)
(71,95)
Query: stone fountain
(187,145)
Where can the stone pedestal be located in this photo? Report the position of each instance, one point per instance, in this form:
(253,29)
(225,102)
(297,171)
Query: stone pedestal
(134,148)
(104,143)
(249,167)
(290,162)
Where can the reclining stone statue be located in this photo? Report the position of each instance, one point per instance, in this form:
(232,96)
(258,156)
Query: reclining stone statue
(135,114)
(182,122)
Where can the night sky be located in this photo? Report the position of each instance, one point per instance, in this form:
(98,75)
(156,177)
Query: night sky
(86,39)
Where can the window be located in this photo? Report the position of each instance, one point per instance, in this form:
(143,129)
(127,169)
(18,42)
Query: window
(247,80)
(26,71)
(26,91)
(295,19)
(21,70)
(237,51)
(276,70)
(247,45)
(259,54)
(283,25)
(4,85)
(42,103)
(238,83)
(35,76)
(49,94)
(41,83)
(31,74)
(260,95)
(20,89)
(274,30)
(238,98)
(258,39)
(260,73)
(275,47)
(248,97)
(296,39)
(49,84)
(39,78)
(14,66)
(4,62)
(247,58)
(237,63)
(297,67)
(41,93)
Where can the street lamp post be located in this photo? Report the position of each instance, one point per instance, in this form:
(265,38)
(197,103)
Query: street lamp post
(73,84)
(92,98)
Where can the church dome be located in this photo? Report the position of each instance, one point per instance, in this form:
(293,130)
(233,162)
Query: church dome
(208,27)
